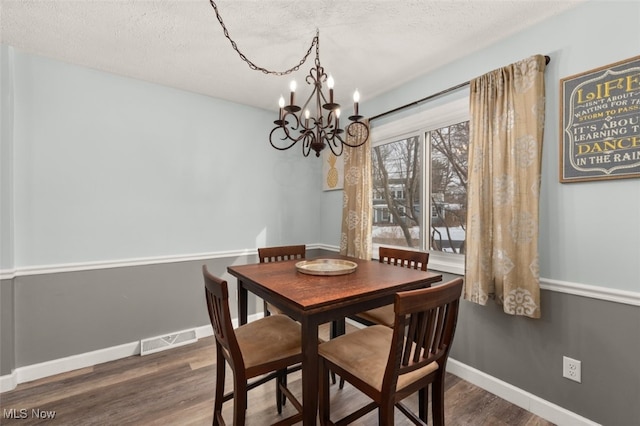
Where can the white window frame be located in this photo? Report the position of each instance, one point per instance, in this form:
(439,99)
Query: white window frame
(418,124)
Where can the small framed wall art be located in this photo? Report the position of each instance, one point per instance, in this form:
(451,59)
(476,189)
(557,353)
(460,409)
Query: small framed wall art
(332,171)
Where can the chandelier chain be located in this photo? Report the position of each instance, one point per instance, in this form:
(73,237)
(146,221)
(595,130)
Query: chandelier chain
(314,42)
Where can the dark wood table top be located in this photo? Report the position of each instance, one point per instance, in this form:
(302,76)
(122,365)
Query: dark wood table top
(282,283)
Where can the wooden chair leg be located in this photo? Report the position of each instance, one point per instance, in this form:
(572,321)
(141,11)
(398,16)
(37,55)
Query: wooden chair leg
(281,380)
(239,400)
(423,403)
(437,400)
(279,395)
(220,377)
(324,408)
(386,414)
(285,384)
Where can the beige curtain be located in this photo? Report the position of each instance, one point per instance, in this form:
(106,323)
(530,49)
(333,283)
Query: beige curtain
(355,239)
(505,147)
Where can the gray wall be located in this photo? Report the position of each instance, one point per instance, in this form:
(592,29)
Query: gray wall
(528,353)
(7,337)
(89,310)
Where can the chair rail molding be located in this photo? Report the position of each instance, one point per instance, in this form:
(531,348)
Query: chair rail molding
(576,289)
(591,291)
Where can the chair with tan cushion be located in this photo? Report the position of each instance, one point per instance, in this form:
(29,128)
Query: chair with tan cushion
(278,254)
(406,258)
(389,364)
(263,348)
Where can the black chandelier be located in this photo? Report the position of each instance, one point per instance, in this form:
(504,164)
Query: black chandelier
(317,123)
(321,128)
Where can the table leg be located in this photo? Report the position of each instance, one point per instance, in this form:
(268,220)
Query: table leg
(310,381)
(243,296)
(337,328)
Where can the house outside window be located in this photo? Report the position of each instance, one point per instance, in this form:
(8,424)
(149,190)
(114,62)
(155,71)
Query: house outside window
(419,168)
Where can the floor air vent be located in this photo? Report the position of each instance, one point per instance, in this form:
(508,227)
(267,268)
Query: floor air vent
(160,343)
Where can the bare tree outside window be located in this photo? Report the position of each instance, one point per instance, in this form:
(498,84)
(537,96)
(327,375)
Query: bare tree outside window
(449,187)
(397,193)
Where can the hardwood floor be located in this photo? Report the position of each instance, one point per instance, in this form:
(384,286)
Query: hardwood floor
(176,387)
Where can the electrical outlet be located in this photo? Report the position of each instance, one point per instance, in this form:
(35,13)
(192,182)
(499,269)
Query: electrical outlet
(571,369)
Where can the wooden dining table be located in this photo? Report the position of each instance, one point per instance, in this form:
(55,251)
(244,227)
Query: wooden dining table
(317,299)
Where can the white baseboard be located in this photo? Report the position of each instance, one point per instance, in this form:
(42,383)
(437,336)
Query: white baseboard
(538,406)
(8,382)
(62,365)
(88,359)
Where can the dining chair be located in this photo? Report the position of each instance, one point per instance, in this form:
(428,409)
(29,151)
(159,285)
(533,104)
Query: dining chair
(261,349)
(389,364)
(277,254)
(406,258)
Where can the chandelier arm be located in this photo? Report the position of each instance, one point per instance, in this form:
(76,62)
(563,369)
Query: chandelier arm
(325,99)
(282,124)
(307,143)
(336,148)
(253,66)
(282,139)
(336,136)
(296,127)
(306,104)
(354,134)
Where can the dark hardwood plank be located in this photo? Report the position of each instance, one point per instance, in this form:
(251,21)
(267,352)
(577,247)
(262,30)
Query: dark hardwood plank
(176,387)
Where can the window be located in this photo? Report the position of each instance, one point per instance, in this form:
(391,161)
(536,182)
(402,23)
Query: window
(419,168)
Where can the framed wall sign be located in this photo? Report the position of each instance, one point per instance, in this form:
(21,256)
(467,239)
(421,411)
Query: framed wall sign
(600,123)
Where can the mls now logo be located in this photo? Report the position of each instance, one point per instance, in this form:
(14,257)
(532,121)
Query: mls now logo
(23,413)
(14,413)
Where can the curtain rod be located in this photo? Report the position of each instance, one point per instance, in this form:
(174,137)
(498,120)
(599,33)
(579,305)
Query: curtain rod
(435,95)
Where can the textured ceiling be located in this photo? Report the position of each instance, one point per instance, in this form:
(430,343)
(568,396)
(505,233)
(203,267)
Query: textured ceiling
(373,45)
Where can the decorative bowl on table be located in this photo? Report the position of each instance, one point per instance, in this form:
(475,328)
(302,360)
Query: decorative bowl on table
(326,267)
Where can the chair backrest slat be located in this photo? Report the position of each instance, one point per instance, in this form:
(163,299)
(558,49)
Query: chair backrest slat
(277,254)
(405,258)
(425,322)
(439,328)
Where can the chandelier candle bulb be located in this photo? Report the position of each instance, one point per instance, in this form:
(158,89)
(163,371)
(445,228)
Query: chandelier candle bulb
(292,86)
(330,85)
(356,99)
(281,105)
